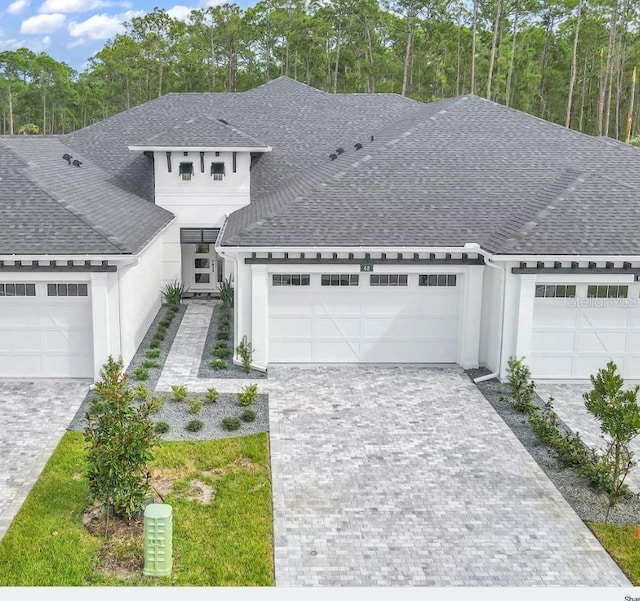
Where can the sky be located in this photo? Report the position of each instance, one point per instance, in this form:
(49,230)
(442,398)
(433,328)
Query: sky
(71,31)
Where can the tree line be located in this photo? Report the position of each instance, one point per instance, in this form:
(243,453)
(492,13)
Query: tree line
(572,62)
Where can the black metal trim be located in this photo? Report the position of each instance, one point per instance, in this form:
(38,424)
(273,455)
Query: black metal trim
(58,268)
(336,261)
(577,270)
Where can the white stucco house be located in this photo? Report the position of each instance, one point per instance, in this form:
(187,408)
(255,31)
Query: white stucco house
(356,227)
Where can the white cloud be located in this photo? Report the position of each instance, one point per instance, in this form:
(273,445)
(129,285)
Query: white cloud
(12,44)
(18,7)
(79,6)
(42,24)
(179,12)
(208,3)
(99,27)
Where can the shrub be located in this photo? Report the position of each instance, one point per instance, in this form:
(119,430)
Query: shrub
(151,364)
(157,402)
(173,293)
(248,416)
(195,425)
(231,423)
(195,405)
(155,343)
(222,352)
(225,287)
(153,353)
(224,320)
(218,364)
(211,395)
(221,344)
(120,440)
(160,334)
(172,311)
(161,427)
(247,395)
(140,392)
(245,352)
(522,388)
(179,392)
(141,373)
(165,323)
(222,335)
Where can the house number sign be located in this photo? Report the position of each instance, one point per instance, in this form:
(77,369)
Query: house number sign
(366,266)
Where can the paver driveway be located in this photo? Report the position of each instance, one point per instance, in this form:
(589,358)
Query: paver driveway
(407,476)
(33,418)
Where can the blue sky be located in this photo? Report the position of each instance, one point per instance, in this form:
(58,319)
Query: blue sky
(71,31)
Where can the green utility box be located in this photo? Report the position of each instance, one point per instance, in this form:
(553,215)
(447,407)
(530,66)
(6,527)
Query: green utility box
(157,540)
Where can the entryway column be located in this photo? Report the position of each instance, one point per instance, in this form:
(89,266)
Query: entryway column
(471,318)
(260,315)
(106,326)
(525,315)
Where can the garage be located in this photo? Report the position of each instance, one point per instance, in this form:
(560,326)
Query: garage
(364,317)
(578,328)
(45,330)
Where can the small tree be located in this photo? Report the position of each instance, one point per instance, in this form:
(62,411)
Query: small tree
(619,416)
(120,439)
(245,352)
(521,386)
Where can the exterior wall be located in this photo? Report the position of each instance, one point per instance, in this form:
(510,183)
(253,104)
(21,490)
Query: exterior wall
(140,296)
(491,319)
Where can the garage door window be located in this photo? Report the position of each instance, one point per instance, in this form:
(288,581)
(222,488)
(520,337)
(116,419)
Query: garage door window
(67,290)
(339,279)
(393,279)
(555,291)
(17,289)
(439,279)
(607,291)
(290,279)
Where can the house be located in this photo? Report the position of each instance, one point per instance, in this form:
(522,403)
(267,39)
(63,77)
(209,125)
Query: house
(356,228)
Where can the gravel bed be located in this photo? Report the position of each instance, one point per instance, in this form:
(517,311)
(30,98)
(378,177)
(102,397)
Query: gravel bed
(589,505)
(235,372)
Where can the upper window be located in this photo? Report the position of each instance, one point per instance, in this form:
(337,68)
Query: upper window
(393,279)
(186,171)
(339,279)
(607,291)
(440,279)
(67,289)
(217,171)
(555,291)
(17,289)
(291,279)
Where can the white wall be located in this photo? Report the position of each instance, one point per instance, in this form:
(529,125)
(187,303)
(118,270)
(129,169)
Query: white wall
(491,320)
(140,296)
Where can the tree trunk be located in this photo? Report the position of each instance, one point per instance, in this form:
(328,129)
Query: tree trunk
(574,65)
(10,108)
(631,103)
(494,45)
(512,58)
(372,75)
(473,46)
(337,65)
(607,70)
(407,53)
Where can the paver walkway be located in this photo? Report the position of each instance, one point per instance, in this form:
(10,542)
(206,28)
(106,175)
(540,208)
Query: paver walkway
(405,475)
(184,358)
(568,403)
(33,418)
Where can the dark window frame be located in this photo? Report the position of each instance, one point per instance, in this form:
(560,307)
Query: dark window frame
(608,291)
(438,280)
(338,280)
(217,173)
(290,279)
(555,291)
(13,289)
(67,289)
(384,280)
(186,168)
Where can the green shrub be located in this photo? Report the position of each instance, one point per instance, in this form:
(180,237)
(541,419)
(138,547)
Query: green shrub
(120,439)
(523,389)
(211,395)
(218,364)
(173,293)
(172,311)
(157,402)
(141,373)
(153,353)
(222,335)
(155,343)
(247,395)
(165,323)
(245,352)
(231,423)
(248,416)
(179,392)
(160,334)
(161,427)
(151,364)
(221,344)
(140,392)
(195,425)
(225,287)
(222,352)
(195,405)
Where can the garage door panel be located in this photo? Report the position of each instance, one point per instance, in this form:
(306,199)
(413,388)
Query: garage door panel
(69,342)
(343,305)
(559,341)
(336,327)
(285,304)
(602,342)
(551,366)
(291,351)
(17,341)
(336,351)
(632,367)
(634,342)
(20,365)
(586,366)
(13,317)
(603,317)
(554,314)
(291,327)
(67,367)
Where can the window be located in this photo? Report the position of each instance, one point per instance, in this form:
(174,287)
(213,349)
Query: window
(379,279)
(17,289)
(67,289)
(235,161)
(607,291)
(555,291)
(440,279)
(186,171)
(291,279)
(339,279)
(217,171)
(192,235)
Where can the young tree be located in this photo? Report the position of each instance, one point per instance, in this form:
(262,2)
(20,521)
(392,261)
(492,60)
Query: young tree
(120,438)
(619,415)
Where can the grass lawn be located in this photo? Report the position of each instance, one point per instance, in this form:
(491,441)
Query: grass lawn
(220,492)
(623,546)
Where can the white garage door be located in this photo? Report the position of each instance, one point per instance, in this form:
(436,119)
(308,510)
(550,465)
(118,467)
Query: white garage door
(368,318)
(578,329)
(45,330)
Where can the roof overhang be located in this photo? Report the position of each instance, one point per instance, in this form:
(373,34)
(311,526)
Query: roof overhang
(201,148)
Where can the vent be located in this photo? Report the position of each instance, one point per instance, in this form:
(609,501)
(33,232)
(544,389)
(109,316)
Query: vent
(372,138)
(357,146)
(333,157)
(76,163)
(67,157)
(339,150)
(223,121)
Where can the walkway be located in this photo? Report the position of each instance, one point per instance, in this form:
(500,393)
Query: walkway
(391,476)
(34,417)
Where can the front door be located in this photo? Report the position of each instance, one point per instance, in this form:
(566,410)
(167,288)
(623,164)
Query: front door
(200,266)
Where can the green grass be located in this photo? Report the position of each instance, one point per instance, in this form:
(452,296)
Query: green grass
(623,546)
(225,543)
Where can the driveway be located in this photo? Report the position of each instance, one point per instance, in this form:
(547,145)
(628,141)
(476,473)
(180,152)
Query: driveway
(405,475)
(33,418)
